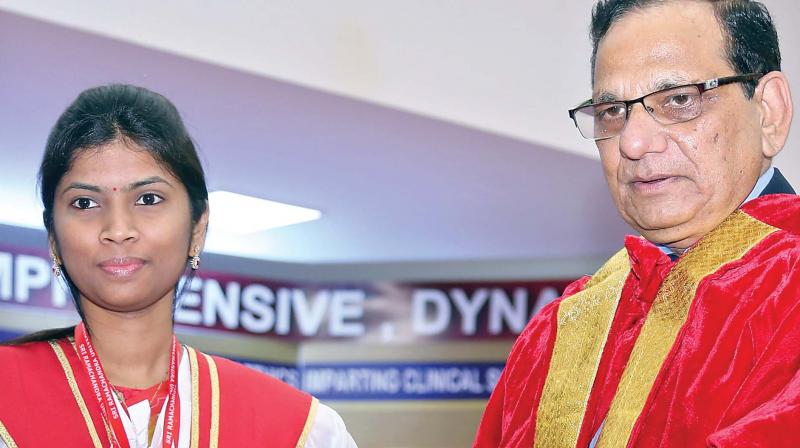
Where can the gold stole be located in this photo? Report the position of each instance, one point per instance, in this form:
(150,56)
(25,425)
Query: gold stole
(6,437)
(211,405)
(584,321)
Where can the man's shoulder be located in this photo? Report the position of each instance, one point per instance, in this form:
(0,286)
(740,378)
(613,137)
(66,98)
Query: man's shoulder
(614,269)
(778,210)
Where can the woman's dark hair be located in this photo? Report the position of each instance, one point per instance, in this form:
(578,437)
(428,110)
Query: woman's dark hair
(102,115)
(751,41)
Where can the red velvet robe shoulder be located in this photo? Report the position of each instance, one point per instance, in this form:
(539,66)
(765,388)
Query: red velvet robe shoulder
(730,379)
(39,408)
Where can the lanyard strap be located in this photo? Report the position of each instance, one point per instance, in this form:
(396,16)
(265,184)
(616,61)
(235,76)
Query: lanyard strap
(172,419)
(105,398)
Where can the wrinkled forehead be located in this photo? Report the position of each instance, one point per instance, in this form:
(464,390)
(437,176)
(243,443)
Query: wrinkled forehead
(657,47)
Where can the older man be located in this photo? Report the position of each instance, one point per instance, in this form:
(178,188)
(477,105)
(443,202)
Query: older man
(690,336)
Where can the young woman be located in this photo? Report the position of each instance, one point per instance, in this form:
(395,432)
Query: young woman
(126,211)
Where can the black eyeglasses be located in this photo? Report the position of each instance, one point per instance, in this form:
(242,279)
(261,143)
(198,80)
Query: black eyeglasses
(668,106)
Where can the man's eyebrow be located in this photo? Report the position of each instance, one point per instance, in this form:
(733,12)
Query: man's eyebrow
(605,97)
(660,84)
(668,83)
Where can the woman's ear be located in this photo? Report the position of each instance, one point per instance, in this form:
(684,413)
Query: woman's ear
(53,249)
(199,231)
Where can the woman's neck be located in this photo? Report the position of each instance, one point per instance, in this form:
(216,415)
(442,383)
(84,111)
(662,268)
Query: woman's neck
(133,347)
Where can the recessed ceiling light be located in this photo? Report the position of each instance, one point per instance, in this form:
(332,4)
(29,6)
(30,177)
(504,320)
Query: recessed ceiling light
(238,213)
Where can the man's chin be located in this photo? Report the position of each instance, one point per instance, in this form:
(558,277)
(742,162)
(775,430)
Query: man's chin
(672,230)
(677,238)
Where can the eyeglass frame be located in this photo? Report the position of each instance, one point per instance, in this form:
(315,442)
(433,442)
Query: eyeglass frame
(702,87)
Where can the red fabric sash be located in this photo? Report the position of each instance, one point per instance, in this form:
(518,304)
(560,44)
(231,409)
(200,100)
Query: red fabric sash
(256,409)
(253,409)
(38,407)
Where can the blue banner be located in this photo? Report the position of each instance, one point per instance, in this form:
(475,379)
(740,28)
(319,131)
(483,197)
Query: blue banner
(401,381)
(379,381)
(8,335)
(388,381)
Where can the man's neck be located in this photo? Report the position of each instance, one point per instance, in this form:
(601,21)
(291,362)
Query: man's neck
(134,348)
(760,185)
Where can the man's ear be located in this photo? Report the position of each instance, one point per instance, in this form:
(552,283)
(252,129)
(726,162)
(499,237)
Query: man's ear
(199,234)
(774,100)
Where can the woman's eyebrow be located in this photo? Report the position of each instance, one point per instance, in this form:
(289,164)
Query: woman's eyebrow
(148,181)
(132,186)
(82,186)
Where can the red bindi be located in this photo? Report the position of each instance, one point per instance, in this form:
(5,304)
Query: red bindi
(115,188)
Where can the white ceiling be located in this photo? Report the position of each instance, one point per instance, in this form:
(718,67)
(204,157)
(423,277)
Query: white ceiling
(423,130)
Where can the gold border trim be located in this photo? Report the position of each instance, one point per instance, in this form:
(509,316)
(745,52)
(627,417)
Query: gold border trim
(728,242)
(6,437)
(312,415)
(193,369)
(214,430)
(73,385)
(584,321)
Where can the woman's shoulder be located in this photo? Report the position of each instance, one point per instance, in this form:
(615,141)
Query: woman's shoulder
(326,427)
(284,410)
(329,430)
(25,352)
(240,372)
(27,364)
(255,384)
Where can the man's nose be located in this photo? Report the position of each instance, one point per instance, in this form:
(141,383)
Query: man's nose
(642,134)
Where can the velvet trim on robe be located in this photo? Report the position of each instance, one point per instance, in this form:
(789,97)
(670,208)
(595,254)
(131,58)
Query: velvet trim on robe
(728,374)
(46,400)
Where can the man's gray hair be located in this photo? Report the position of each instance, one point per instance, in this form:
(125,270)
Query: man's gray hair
(751,39)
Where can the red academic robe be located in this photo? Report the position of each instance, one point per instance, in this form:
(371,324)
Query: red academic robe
(46,401)
(703,351)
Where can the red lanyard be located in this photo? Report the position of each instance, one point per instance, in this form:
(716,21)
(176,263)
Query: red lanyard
(172,419)
(105,397)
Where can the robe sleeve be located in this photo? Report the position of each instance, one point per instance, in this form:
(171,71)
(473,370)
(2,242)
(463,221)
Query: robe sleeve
(532,345)
(774,424)
(767,410)
(328,431)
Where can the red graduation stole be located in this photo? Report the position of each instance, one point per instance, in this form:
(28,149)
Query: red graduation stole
(48,400)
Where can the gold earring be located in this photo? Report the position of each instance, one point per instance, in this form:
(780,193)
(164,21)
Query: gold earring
(194,260)
(56,265)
